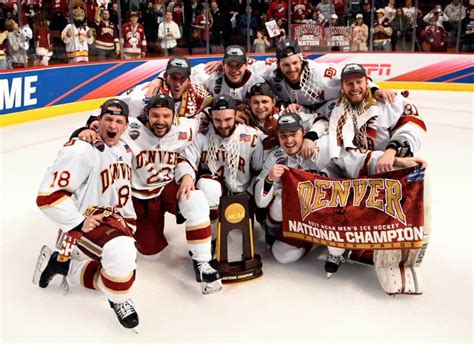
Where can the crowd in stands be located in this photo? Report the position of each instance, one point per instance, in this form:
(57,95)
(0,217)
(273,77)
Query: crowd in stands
(39,32)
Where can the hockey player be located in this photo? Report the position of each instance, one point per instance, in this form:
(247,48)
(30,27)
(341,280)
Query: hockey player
(396,130)
(77,36)
(290,131)
(156,142)
(235,80)
(86,192)
(222,160)
(190,98)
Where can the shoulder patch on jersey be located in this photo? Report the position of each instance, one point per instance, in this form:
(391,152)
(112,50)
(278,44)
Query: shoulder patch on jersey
(282,160)
(129,91)
(330,73)
(269,61)
(182,135)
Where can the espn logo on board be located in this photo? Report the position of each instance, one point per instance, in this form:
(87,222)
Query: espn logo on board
(373,69)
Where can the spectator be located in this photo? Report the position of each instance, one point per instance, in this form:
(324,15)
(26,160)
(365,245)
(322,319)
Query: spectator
(114,14)
(467,32)
(437,14)
(107,39)
(252,26)
(201,27)
(300,11)
(43,40)
(168,33)
(278,9)
(217,31)
(17,46)
(334,20)
(77,36)
(400,25)
(150,19)
(317,18)
(410,11)
(433,37)
(360,34)
(456,12)
(382,31)
(260,43)
(326,8)
(390,9)
(367,13)
(3,48)
(133,38)
(177,8)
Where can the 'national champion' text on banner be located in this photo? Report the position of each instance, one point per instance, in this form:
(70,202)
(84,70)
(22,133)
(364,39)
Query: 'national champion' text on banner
(379,212)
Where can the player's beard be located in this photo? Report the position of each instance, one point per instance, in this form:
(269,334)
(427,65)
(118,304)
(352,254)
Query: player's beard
(361,106)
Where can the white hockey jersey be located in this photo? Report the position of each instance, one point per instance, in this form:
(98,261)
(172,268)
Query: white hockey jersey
(155,158)
(399,121)
(83,177)
(320,82)
(77,46)
(250,157)
(352,163)
(216,83)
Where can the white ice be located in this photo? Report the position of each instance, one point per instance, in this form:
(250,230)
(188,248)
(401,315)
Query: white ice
(291,304)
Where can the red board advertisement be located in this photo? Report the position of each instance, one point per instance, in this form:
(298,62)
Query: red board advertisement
(378,212)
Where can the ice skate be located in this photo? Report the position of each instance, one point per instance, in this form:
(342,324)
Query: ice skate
(210,279)
(126,314)
(332,264)
(44,274)
(270,236)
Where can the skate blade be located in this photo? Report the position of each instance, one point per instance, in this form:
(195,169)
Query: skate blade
(45,254)
(328,275)
(210,288)
(134,330)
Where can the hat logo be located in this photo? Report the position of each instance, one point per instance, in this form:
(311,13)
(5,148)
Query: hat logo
(287,120)
(235,51)
(179,63)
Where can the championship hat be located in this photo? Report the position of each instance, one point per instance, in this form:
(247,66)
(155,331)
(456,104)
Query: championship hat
(260,89)
(160,101)
(178,64)
(114,103)
(235,53)
(289,122)
(223,102)
(352,68)
(286,48)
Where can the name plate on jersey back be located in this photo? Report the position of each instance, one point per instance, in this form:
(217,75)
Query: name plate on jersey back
(234,215)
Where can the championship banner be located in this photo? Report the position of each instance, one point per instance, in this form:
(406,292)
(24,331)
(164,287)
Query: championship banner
(382,211)
(309,35)
(313,35)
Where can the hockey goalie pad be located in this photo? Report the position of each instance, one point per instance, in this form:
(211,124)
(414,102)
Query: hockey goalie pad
(398,271)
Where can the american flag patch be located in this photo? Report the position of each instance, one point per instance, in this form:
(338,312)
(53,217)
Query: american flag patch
(182,136)
(245,137)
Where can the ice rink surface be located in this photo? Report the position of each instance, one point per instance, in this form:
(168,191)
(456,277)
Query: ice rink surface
(289,304)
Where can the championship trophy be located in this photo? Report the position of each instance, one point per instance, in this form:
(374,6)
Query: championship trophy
(234,215)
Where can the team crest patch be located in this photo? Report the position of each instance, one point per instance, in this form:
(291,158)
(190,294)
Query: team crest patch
(182,136)
(134,134)
(282,160)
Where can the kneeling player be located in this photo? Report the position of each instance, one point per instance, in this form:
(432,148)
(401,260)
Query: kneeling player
(290,133)
(86,192)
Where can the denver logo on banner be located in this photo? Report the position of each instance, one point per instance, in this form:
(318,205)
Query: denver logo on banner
(379,212)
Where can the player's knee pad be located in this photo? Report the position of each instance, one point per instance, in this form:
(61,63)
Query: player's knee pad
(195,208)
(119,256)
(285,253)
(212,190)
(275,210)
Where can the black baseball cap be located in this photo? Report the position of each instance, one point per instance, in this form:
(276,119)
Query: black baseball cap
(261,89)
(223,102)
(289,122)
(235,53)
(160,101)
(353,68)
(115,103)
(178,64)
(286,48)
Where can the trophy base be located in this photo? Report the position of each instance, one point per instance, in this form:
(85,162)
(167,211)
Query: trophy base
(239,271)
